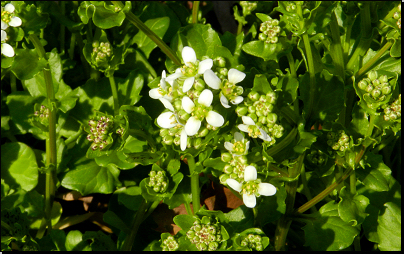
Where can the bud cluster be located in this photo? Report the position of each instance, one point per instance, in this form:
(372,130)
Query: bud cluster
(158,181)
(42,113)
(219,67)
(99,130)
(393,112)
(291,7)
(101,50)
(253,242)
(338,141)
(397,16)
(270,31)
(375,86)
(206,236)
(248,7)
(169,244)
(260,108)
(234,168)
(317,157)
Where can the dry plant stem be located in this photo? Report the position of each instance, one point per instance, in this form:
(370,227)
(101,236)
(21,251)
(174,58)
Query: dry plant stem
(284,222)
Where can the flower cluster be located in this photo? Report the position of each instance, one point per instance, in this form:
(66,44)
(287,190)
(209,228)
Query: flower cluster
(270,30)
(393,112)
(99,130)
(397,16)
(317,157)
(291,7)
(42,113)
(205,234)
(8,18)
(248,7)
(338,141)
(253,242)
(251,187)
(169,244)
(189,101)
(258,118)
(375,86)
(101,50)
(158,181)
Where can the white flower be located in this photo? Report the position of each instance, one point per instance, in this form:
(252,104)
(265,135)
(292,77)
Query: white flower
(193,68)
(169,120)
(200,111)
(252,187)
(240,147)
(229,90)
(163,91)
(6,49)
(252,129)
(8,18)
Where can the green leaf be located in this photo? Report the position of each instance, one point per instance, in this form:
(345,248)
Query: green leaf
(266,51)
(27,63)
(351,208)
(240,218)
(100,241)
(272,208)
(74,242)
(33,19)
(184,221)
(129,88)
(131,197)
(372,176)
(159,26)
(144,158)
(18,166)
(389,228)
(89,178)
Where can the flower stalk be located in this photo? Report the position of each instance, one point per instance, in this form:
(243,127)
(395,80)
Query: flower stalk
(195,8)
(194,183)
(127,245)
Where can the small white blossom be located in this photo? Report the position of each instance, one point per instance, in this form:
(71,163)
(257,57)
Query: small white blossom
(6,48)
(251,187)
(192,69)
(163,91)
(239,147)
(252,129)
(169,120)
(8,18)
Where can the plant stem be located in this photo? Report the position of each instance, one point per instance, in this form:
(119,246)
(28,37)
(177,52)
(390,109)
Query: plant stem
(114,92)
(284,143)
(336,48)
(195,8)
(51,159)
(127,245)
(194,183)
(374,59)
(151,209)
(149,33)
(310,64)
(306,189)
(291,64)
(284,222)
(13,82)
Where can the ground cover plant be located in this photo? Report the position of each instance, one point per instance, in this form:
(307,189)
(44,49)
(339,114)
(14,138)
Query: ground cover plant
(293,113)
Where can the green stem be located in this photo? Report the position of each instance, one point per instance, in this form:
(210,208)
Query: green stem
(151,209)
(336,48)
(284,222)
(51,159)
(13,82)
(291,64)
(371,125)
(73,138)
(306,188)
(114,92)
(127,245)
(149,33)
(374,59)
(194,183)
(188,208)
(72,44)
(195,8)
(284,143)
(310,64)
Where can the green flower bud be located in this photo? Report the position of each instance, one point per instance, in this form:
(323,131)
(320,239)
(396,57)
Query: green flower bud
(376,83)
(369,88)
(386,90)
(262,37)
(183,115)
(254,96)
(253,117)
(228,169)
(363,84)
(383,79)
(202,133)
(199,85)
(241,110)
(197,143)
(223,71)
(213,246)
(177,141)
(376,93)
(262,119)
(220,61)
(252,109)
(201,246)
(226,157)
(372,75)
(223,178)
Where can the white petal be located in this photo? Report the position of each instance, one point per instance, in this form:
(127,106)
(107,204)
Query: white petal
(192,126)
(228,146)
(215,119)
(243,127)
(3,25)
(234,184)
(7,50)
(9,7)
(15,21)
(211,79)
(249,200)
(247,120)
(266,189)
(250,173)
(183,140)
(235,76)
(224,101)
(167,104)
(237,100)
(173,76)
(205,65)
(264,135)
(163,74)
(247,146)
(188,84)
(3,35)
(187,104)
(188,55)
(238,136)
(206,97)
(166,120)
(154,93)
